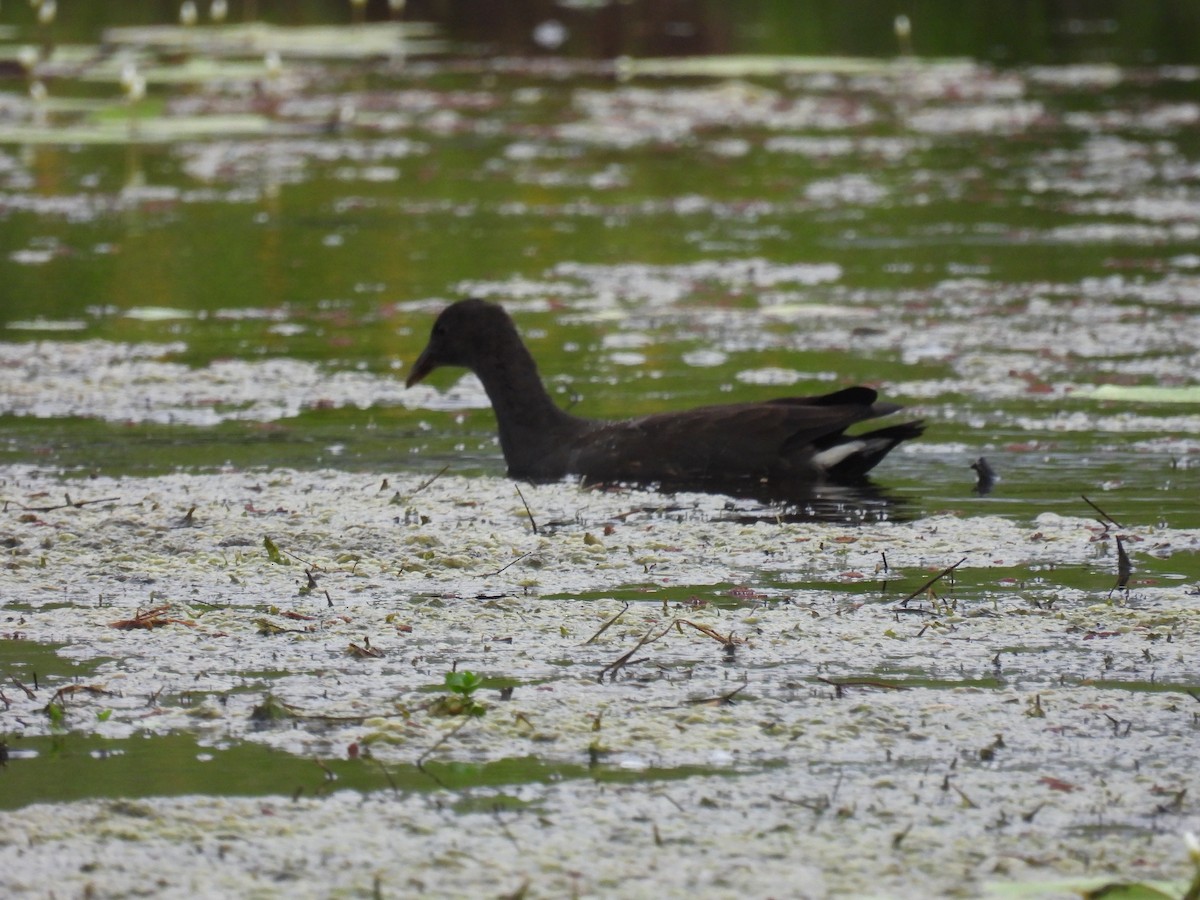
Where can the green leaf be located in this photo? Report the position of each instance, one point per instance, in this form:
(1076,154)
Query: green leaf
(273,553)
(464,683)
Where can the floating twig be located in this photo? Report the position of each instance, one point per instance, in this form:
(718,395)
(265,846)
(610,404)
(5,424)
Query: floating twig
(424,484)
(1102,513)
(967,801)
(63,692)
(69,504)
(723,700)
(30,694)
(704,629)
(312,566)
(648,638)
(927,585)
(502,568)
(607,625)
(438,743)
(386,773)
(528,512)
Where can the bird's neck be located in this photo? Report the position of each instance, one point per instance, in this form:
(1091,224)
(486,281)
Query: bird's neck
(527,418)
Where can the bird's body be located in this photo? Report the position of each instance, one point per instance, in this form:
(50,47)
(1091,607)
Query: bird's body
(793,440)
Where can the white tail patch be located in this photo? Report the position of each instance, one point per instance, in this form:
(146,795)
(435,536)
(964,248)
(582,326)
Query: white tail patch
(827,459)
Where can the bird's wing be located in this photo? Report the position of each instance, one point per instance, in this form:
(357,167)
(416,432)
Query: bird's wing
(734,440)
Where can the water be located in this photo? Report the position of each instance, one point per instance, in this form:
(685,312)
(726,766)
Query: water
(211,296)
(994,248)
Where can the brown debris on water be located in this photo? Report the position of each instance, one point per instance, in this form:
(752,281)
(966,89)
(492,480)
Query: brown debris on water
(624,659)
(272,710)
(366,651)
(150,618)
(727,641)
(71,689)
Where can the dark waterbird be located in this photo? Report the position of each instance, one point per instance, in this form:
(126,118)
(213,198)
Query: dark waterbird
(776,447)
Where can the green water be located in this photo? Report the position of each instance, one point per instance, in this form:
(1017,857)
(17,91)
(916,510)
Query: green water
(335,248)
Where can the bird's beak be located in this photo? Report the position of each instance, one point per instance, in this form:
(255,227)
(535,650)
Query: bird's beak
(422,367)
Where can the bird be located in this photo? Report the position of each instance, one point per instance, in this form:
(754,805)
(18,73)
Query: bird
(784,442)
(985,476)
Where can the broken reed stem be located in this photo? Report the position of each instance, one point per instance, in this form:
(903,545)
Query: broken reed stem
(532,524)
(932,581)
(70,504)
(31,695)
(300,559)
(438,743)
(705,630)
(424,484)
(622,661)
(722,700)
(967,801)
(1102,513)
(502,568)
(607,625)
(386,774)
(151,618)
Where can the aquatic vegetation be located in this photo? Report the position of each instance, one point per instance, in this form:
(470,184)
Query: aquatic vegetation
(462,686)
(233,544)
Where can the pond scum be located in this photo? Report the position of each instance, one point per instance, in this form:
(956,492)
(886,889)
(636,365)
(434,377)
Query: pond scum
(964,703)
(322,680)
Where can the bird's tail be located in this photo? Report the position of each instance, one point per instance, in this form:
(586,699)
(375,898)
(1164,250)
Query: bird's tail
(851,458)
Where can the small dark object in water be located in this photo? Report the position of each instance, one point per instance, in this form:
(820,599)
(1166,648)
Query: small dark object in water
(794,441)
(986,476)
